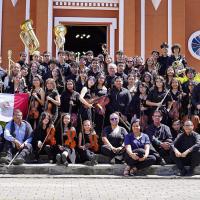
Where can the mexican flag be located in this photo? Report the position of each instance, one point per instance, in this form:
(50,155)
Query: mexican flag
(10,102)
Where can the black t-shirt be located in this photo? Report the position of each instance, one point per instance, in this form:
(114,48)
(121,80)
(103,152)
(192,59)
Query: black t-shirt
(116,138)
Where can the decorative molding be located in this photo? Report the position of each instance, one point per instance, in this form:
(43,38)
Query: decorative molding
(14,2)
(50,26)
(156,3)
(87,4)
(1,22)
(112,22)
(121,25)
(170,25)
(143,29)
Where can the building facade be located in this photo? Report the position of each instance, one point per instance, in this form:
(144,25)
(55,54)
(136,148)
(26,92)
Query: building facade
(135,26)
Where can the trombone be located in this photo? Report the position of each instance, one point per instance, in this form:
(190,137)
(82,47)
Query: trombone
(10,61)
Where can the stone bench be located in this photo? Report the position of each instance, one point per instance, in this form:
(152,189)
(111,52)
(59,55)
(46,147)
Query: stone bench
(79,169)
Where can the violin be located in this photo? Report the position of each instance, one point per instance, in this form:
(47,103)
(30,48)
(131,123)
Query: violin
(50,138)
(174,112)
(102,101)
(70,142)
(143,117)
(34,113)
(94,142)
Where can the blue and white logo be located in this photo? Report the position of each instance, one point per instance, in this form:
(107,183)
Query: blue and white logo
(194,45)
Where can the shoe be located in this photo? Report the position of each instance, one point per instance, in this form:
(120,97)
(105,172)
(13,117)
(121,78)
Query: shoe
(5,160)
(162,162)
(133,171)
(58,159)
(182,172)
(127,170)
(18,161)
(190,172)
(66,163)
(112,161)
(94,161)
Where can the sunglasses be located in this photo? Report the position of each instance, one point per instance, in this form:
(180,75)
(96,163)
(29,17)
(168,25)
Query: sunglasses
(113,119)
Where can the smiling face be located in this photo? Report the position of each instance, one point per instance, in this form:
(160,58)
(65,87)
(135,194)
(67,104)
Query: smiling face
(188,127)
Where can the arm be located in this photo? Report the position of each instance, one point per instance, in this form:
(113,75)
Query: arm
(55,101)
(81,97)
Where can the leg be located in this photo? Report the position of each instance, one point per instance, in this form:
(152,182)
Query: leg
(179,162)
(150,160)
(105,150)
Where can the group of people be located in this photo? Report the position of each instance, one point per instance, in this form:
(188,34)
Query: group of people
(127,110)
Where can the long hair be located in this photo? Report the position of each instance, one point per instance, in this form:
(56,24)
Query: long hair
(42,117)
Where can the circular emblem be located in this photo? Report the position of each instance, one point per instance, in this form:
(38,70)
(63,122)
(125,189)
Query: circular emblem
(194,45)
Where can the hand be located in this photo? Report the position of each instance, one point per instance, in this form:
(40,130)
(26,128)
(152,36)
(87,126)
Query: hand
(159,104)
(165,145)
(89,105)
(87,145)
(134,156)
(184,154)
(49,98)
(143,158)
(142,108)
(17,144)
(35,95)
(39,144)
(198,106)
(114,149)
(61,148)
(177,153)
(119,149)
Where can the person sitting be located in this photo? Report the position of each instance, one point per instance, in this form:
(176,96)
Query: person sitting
(85,150)
(113,140)
(137,154)
(1,139)
(67,143)
(186,149)
(160,137)
(18,136)
(44,138)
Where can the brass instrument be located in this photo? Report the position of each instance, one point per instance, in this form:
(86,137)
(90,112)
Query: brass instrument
(28,36)
(60,32)
(178,66)
(10,61)
(104,48)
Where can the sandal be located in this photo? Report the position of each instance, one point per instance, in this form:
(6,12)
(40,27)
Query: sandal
(127,170)
(133,171)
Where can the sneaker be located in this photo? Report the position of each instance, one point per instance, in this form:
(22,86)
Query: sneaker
(58,159)
(18,161)
(66,163)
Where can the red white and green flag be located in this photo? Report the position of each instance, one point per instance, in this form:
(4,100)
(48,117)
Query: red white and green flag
(10,102)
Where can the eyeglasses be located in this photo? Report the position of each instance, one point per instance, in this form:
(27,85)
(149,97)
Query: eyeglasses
(157,116)
(188,125)
(113,119)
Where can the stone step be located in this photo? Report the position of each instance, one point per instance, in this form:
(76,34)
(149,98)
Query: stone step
(79,169)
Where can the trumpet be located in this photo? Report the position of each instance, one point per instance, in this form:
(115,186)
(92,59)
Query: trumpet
(60,32)
(28,36)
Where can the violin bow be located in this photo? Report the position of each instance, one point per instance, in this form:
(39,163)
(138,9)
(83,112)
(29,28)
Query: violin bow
(45,140)
(19,151)
(163,99)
